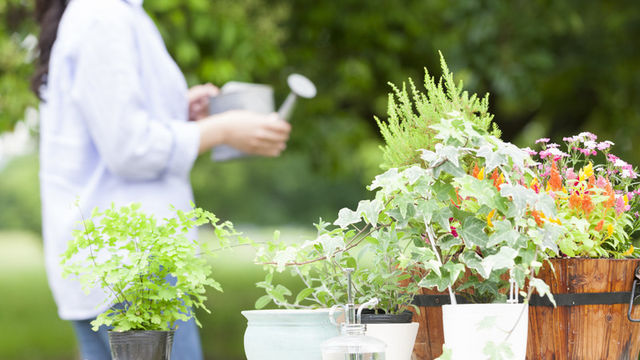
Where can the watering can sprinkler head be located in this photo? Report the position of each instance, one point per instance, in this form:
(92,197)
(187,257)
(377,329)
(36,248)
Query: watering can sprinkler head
(300,86)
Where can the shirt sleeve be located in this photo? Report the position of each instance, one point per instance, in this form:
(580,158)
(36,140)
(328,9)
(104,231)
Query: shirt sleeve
(108,92)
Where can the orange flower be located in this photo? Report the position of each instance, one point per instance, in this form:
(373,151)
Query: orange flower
(587,204)
(475,171)
(555,180)
(574,200)
(612,196)
(591,183)
(600,224)
(537,218)
(498,179)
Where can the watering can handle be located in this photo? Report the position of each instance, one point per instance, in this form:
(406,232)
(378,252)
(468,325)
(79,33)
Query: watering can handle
(332,313)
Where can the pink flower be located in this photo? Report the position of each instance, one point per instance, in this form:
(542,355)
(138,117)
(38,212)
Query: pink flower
(454,232)
(587,135)
(612,158)
(543,140)
(590,144)
(620,205)
(570,139)
(554,146)
(530,152)
(570,174)
(601,182)
(604,145)
(627,172)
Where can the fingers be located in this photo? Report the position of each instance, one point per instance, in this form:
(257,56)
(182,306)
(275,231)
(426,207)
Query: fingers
(202,91)
(198,97)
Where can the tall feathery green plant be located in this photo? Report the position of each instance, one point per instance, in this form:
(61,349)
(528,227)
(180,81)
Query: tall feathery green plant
(412,113)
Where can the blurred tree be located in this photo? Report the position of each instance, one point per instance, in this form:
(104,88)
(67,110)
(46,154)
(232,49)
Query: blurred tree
(551,67)
(16,53)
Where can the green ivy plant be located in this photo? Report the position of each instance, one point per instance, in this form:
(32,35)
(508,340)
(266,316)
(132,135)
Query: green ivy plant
(454,214)
(154,272)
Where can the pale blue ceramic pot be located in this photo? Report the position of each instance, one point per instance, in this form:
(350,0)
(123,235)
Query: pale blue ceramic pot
(287,334)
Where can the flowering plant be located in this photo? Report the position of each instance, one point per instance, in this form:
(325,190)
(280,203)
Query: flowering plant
(436,220)
(596,195)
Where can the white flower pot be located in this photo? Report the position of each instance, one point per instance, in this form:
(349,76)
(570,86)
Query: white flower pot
(287,334)
(469,329)
(399,338)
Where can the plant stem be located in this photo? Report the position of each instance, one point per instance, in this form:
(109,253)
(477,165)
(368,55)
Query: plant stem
(432,238)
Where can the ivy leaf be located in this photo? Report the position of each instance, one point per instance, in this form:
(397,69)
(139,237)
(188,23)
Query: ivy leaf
(521,197)
(389,181)
(347,217)
(448,241)
(472,232)
(443,191)
(444,130)
(481,190)
(546,204)
(449,168)
(450,153)
(428,156)
(492,158)
(542,288)
(517,155)
(504,259)
(504,234)
(370,209)
(474,261)
(454,270)
(441,217)
(426,208)
(414,173)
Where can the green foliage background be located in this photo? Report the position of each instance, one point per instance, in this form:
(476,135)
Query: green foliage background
(552,68)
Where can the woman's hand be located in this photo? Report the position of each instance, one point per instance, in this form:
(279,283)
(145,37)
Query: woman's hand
(250,132)
(198,97)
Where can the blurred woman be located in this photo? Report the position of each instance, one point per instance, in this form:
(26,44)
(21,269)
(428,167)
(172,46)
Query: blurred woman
(115,128)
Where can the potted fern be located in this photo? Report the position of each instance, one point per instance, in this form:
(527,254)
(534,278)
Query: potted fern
(153,270)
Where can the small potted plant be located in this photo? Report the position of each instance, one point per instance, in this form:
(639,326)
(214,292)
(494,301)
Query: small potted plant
(153,270)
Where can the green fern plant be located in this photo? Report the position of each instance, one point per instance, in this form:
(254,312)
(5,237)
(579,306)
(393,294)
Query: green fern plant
(411,114)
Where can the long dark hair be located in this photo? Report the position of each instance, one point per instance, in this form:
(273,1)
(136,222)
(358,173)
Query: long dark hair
(48,14)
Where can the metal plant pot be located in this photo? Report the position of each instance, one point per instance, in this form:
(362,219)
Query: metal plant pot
(141,345)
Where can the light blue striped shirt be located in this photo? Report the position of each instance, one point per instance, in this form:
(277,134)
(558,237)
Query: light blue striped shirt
(113,129)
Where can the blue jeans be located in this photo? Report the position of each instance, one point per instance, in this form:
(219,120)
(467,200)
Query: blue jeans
(95,345)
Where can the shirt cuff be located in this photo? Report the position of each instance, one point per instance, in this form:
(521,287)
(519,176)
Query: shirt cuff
(186,141)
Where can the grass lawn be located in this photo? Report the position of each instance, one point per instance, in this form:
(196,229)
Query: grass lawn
(31,330)
(29,326)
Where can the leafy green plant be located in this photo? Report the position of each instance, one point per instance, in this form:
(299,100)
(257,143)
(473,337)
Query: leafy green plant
(153,269)
(412,113)
(435,222)
(383,263)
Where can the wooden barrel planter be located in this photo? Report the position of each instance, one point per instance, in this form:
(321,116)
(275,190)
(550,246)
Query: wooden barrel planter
(590,321)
